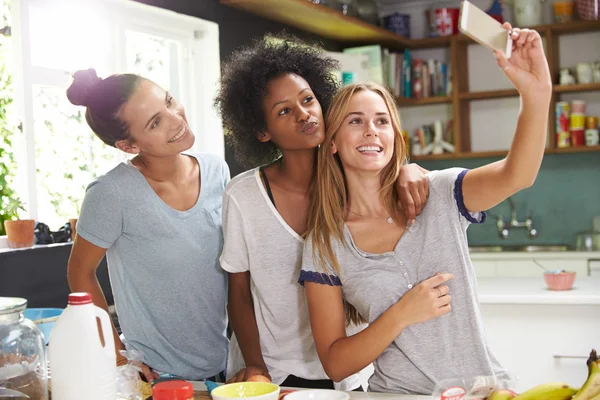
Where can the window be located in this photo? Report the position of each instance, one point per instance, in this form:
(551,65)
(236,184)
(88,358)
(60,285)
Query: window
(57,154)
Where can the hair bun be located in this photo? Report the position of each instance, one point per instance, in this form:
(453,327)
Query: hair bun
(83,83)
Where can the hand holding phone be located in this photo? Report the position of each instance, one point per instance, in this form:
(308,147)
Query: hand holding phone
(484,29)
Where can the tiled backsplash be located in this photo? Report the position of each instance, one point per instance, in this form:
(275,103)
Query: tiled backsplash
(564,199)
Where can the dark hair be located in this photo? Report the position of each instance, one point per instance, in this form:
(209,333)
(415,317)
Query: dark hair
(244,81)
(104,99)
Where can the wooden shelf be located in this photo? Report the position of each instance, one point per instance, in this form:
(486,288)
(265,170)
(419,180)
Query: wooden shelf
(574,27)
(500,153)
(348,31)
(585,87)
(434,157)
(406,102)
(323,21)
(491,94)
(581,149)
(332,24)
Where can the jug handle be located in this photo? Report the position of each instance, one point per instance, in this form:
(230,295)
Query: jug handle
(106,330)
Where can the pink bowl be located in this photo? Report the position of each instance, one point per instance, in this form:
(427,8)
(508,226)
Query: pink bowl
(561,281)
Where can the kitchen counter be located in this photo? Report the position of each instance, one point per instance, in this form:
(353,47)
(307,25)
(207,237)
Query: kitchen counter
(202,394)
(585,291)
(538,255)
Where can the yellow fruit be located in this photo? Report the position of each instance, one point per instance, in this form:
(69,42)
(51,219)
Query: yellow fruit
(591,388)
(502,394)
(548,391)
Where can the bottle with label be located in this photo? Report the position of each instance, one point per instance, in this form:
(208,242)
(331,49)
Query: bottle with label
(80,365)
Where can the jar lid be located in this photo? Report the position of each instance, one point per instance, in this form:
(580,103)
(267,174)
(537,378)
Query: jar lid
(173,390)
(10,305)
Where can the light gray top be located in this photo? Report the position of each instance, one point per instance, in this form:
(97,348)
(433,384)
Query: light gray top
(258,240)
(170,293)
(453,345)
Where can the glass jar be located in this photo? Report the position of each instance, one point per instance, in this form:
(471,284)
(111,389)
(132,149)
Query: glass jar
(23,368)
(367,11)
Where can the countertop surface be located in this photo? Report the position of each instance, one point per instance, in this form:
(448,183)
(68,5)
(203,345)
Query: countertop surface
(202,394)
(585,291)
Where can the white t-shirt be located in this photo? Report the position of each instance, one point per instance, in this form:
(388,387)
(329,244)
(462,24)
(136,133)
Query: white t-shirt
(257,239)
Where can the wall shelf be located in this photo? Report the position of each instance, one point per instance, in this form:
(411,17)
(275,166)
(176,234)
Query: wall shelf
(409,102)
(584,87)
(491,94)
(349,31)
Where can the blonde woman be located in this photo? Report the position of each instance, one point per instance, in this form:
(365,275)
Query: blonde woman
(415,287)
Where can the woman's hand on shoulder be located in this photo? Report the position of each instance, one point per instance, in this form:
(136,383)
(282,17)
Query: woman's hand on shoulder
(413,189)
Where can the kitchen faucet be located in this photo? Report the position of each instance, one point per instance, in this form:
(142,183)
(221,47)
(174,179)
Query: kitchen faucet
(505,227)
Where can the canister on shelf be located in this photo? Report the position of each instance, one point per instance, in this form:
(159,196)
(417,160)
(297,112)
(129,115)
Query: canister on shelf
(563,136)
(577,137)
(591,137)
(577,121)
(578,107)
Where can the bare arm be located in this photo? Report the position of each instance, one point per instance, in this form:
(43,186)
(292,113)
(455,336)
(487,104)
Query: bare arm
(83,263)
(527,69)
(243,321)
(343,356)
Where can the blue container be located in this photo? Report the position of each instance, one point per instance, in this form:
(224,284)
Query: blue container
(44,318)
(398,23)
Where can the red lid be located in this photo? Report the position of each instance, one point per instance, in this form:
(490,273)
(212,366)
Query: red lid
(173,390)
(79,299)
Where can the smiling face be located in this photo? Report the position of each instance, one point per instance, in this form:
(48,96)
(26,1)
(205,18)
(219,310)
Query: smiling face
(365,138)
(294,118)
(157,123)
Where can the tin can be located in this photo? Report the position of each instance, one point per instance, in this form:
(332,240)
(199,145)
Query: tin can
(563,136)
(591,137)
(577,121)
(577,137)
(591,122)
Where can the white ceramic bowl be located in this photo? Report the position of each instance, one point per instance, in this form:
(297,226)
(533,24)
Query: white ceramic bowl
(246,390)
(317,394)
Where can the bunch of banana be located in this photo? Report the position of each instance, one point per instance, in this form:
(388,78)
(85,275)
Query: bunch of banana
(558,390)
(591,388)
(547,391)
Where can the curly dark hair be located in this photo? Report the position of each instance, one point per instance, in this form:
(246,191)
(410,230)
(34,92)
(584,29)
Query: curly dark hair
(244,81)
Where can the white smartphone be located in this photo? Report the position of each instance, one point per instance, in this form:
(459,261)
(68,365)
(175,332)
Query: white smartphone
(484,29)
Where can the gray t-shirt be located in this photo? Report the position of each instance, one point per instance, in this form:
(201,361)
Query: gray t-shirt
(258,240)
(454,345)
(170,293)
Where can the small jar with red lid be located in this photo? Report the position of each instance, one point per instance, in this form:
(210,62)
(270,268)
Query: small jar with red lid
(173,390)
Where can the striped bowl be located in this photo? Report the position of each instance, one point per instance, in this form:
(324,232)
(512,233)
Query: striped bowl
(560,281)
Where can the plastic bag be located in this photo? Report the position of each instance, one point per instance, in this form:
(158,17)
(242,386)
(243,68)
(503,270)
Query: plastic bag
(129,383)
(475,388)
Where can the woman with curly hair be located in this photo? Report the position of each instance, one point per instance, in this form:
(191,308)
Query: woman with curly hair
(273,97)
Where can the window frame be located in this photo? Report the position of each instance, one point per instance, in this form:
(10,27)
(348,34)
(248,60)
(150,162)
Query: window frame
(200,66)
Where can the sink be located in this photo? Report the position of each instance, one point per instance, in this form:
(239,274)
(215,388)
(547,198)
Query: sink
(517,248)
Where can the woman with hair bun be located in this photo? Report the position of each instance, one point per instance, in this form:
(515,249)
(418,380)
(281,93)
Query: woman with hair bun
(157,218)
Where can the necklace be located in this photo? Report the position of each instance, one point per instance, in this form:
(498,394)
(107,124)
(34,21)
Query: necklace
(388,219)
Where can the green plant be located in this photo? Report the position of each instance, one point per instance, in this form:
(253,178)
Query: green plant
(14,205)
(7,127)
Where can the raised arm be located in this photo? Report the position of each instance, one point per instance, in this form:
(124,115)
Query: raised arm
(343,355)
(528,70)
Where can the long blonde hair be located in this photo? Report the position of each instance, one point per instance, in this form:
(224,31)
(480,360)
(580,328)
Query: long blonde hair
(329,196)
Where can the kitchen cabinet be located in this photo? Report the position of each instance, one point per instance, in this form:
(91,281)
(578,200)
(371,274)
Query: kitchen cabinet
(543,343)
(541,335)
